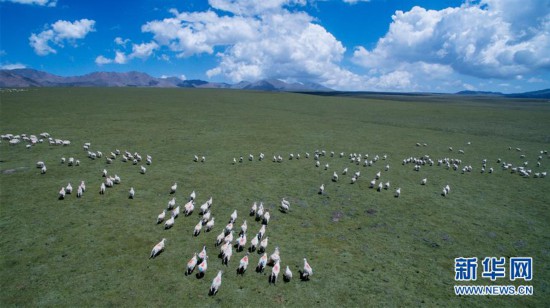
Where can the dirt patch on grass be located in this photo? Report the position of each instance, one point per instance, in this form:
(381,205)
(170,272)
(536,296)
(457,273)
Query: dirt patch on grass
(337,216)
(12,171)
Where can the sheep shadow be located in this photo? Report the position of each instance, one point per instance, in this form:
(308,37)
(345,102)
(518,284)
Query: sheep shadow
(303,277)
(199,275)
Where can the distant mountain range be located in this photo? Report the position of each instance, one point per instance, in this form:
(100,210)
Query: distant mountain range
(23,78)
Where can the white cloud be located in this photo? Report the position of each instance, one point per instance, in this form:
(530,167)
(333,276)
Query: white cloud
(12,66)
(49,3)
(492,39)
(143,50)
(59,33)
(355,1)
(101,60)
(120,41)
(120,58)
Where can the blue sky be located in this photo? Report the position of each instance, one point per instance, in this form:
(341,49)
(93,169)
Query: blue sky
(376,45)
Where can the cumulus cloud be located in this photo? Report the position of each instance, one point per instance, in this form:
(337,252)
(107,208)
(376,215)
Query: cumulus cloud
(58,34)
(12,66)
(490,39)
(120,41)
(49,3)
(142,51)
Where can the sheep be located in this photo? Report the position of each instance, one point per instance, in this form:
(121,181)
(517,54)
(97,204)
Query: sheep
(192,196)
(206,217)
(326,166)
(189,207)
(216,283)
(275,256)
(43,170)
(209,225)
(291,156)
(243,264)
(287,276)
(285,206)
(298,156)
(40,164)
(250,157)
(307,155)
(191,264)
(227,253)
(241,242)
(317,164)
(380,185)
(266,218)
(260,211)
(169,223)
(102,189)
(253,243)
(198,228)
(233,216)
(202,255)
(234,160)
(161,216)
(131,193)
(220,238)
(108,182)
(261,263)
(387,185)
(345,171)
(372,184)
(261,156)
(322,189)
(353,179)
(398,192)
(176,212)
(253,209)
(308,271)
(77,162)
(143,170)
(79,192)
(424,181)
(99,154)
(195,158)
(274,158)
(261,233)
(203,266)
(173,188)
(204,208)
(228,228)
(244,227)
(62,160)
(171,204)
(229,238)
(116,179)
(263,244)
(203,159)
(335,177)
(157,249)
(275,272)
(61,193)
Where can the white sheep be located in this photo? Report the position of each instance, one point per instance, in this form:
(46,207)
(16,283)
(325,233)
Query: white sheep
(176,212)
(263,244)
(287,276)
(173,188)
(189,207)
(285,206)
(202,267)
(387,185)
(40,164)
(102,189)
(62,193)
(131,193)
(253,243)
(241,242)
(335,177)
(195,158)
(262,263)
(191,264)
(275,272)
(424,181)
(253,209)
(216,283)
(244,227)
(308,271)
(210,225)
(43,170)
(398,192)
(266,218)
(322,189)
(203,159)
(161,216)
(317,164)
(220,238)
(171,204)
(143,170)
(79,192)
(198,228)
(192,196)
(169,223)
(158,248)
(243,264)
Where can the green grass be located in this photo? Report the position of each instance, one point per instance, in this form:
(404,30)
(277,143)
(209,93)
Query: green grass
(384,251)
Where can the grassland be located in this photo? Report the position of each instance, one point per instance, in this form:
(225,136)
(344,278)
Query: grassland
(366,248)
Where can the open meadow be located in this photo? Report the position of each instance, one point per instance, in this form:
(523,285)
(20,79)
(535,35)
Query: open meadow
(366,247)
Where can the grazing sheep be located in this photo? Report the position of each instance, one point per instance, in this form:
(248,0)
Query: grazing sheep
(173,188)
(345,171)
(228,228)
(261,233)
(171,204)
(158,249)
(209,225)
(250,157)
(387,185)
(227,253)
(189,207)
(241,242)
(243,264)
(195,158)
(116,179)
(204,208)
(398,192)
(253,243)
(198,228)
(253,209)
(234,160)
(380,185)
(43,170)
(229,238)
(308,271)
(143,170)
(263,244)
(216,283)
(260,211)
(220,238)
(62,160)
(275,272)
(192,196)
(287,276)
(161,216)
(40,164)
(169,223)
(285,206)
(326,166)
(176,212)
(275,256)
(233,216)
(79,192)
(203,159)
(262,263)
(244,227)
(104,174)
(191,264)
(322,189)
(372,184)
(203,266)
(424,181)
(335,177)
(131,193)
(317,164)
(62,193)
(266,218)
